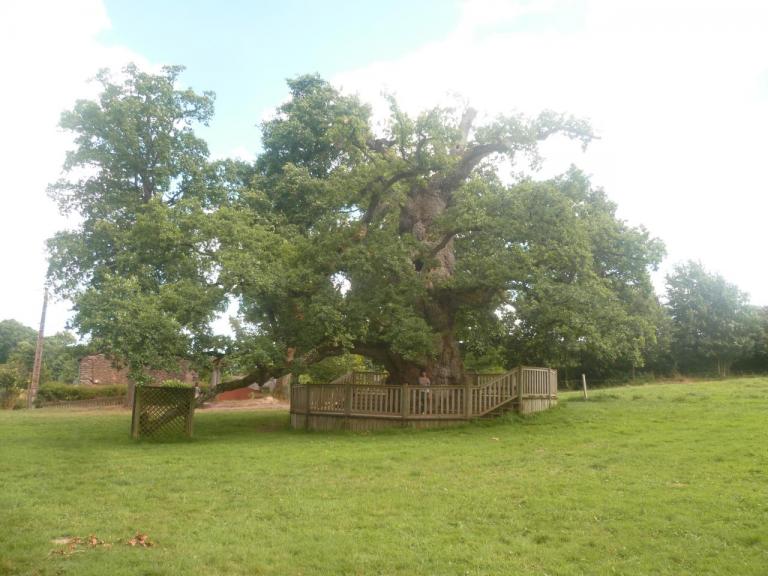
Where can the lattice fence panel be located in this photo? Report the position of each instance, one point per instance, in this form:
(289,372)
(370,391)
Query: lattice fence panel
(160,411)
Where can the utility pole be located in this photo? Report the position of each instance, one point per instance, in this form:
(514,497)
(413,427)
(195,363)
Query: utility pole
(33,386)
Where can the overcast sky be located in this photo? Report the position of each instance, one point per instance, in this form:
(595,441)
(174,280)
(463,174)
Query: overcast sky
(678,92)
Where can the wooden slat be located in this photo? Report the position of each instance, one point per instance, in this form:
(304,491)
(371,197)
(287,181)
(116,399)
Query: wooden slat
(367,397)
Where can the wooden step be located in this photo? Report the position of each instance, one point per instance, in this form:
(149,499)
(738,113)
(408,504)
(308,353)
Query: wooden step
(501,410)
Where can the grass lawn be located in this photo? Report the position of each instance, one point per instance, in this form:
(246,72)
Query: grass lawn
(657,479)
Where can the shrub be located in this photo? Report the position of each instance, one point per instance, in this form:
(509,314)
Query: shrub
(55,392)
(174,383)
(10,386)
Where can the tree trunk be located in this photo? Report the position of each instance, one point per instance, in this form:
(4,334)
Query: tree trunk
(446,368)
(435,262)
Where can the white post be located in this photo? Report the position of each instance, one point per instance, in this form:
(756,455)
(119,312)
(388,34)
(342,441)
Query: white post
(584,386)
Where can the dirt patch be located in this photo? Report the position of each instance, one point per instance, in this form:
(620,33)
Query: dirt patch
(264,403)
(261,403)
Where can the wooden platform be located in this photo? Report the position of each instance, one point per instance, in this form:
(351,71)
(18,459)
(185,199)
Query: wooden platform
(361,407)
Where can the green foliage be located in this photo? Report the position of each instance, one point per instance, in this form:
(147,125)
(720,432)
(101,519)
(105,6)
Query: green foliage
(11,384)
(11,334)
(9,378)
(140,267)
(755,359)
(492,361)
(22,359)
(578,283)
(53,392)
(332,367)
(401,244)
(175,383)
(352,255)
(60,356)
(712,325)
(139,137)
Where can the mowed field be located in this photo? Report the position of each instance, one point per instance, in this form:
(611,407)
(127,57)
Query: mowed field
(656,479)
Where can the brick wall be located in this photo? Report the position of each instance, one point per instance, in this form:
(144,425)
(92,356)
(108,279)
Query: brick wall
(97,369)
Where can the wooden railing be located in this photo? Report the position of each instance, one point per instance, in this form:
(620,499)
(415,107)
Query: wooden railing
(478,379)
(366,377)
(352,400)
(495,393)
(88,403)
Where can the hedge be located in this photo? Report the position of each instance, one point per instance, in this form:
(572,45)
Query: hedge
(58,392)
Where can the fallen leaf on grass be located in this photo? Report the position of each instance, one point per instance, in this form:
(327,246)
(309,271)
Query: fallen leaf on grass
(141,540)
(74,544)
(68,551)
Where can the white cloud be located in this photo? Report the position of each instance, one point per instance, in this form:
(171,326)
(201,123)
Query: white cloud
(48,51)
(676,90)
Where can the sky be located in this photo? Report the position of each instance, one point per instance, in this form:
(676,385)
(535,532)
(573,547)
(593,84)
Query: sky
(677,91)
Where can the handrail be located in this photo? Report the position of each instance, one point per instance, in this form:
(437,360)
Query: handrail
(345,398)
(496,393)
(344,378)
(361,377)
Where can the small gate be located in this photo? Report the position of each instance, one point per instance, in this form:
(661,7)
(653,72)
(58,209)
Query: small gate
(162,411)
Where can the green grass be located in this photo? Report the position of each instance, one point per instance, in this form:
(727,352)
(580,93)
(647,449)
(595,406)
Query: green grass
(656,479)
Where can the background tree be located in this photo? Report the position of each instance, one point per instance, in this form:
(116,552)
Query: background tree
(141,267)
(756,359)
(61,353)
(587,298)
(711,322)
(11,385)
(12,333)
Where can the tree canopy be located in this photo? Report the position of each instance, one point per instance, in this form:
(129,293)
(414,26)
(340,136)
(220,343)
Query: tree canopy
(712,323)
(17,353)
(12,333)
(403,244)
(140,268)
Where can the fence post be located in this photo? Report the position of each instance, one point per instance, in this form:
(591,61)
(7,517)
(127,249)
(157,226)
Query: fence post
(347,401)
(307,407)
(468,399)
(130,393)
(404,400)
(191,413)
(584,385)
(136,413)
(552,386)
(520,385)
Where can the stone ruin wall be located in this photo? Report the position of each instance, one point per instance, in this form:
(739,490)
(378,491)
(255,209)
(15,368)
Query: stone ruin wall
(97,370)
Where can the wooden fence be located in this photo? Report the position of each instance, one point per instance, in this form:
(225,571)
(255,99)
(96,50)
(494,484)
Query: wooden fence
(349,405)
(362,378)
(88,403)
(162,411)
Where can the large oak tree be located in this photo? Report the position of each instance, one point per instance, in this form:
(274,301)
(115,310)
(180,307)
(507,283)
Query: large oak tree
(400,243)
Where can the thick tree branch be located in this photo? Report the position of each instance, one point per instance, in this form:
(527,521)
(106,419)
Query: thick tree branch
(467,119)
(471,157)
(447,237)
(386,185)
(263,373)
